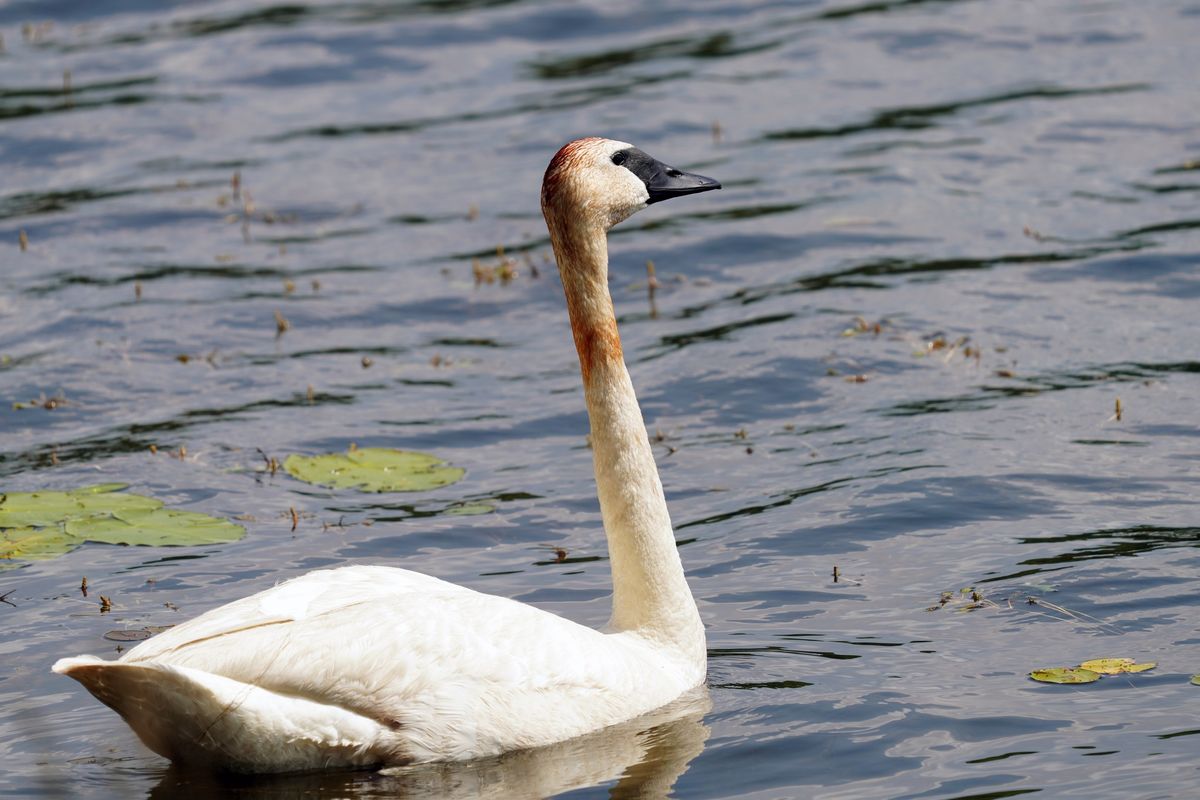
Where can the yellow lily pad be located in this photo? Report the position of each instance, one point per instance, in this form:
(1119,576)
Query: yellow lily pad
(1141,667)
(1196,680)
(1115,666)
(1065,675)
(374,469)
(1107,666)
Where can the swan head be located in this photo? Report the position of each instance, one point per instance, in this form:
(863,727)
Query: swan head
(602,182)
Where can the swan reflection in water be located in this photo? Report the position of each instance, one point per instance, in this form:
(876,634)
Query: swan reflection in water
(645,756)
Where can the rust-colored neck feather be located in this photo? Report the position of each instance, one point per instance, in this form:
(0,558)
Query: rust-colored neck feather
(650,595)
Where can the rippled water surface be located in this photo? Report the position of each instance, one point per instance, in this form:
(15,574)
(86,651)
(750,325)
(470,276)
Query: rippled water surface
(952,236)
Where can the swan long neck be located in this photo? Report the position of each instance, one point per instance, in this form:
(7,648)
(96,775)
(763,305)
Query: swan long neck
(650,594)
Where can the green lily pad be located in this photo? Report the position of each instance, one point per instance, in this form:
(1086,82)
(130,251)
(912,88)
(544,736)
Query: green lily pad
(42,509)
(469,510)
(36,544)
(374,469)
(159,527)
(1065,675)
(40,525)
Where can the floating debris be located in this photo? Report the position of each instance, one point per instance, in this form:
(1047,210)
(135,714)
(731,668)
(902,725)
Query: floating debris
(47,403)
(964,600)
(861,326)
(23,240)
(281,324)
(272,463)
(651,287)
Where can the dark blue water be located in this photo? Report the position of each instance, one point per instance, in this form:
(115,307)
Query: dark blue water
(953,234)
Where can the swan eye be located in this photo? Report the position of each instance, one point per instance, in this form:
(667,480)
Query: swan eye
(619,158)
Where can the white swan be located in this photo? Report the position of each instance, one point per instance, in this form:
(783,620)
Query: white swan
(379,666)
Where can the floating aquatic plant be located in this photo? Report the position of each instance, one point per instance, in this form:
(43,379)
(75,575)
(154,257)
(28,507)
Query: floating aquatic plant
(1115,666)
(41,525)
(1065,675)
(374,469)
(1090,671)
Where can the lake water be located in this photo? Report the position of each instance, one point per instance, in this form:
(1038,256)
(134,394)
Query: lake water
(952,236)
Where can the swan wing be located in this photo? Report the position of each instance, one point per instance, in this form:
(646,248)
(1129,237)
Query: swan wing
(449,672)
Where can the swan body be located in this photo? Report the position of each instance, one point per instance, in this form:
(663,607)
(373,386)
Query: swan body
(369,665)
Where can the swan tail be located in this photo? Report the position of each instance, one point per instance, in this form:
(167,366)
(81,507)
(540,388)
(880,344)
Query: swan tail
(197,718)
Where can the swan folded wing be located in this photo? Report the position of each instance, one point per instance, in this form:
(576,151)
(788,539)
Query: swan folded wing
(456,673)
(312,594)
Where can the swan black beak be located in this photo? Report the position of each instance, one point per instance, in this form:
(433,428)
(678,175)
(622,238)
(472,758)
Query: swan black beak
(662,182)
(671,182)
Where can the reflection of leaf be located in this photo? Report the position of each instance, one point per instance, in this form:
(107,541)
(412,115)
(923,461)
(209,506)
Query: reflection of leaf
(1065,675)
(155,527)
(36,544)
(374,469)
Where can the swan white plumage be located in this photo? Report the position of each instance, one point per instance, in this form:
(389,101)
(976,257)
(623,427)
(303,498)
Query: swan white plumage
(369,665)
